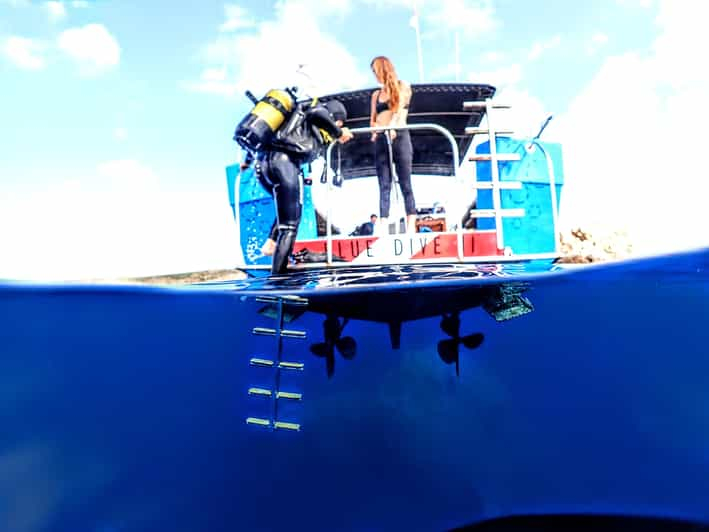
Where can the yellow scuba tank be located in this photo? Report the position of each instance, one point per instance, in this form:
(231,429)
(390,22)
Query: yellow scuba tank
(269,113)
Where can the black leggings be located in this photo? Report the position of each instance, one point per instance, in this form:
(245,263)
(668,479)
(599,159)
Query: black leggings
(402,152)
(280,175)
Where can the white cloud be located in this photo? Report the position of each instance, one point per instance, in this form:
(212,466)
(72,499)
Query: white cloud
(236,18)
(121,220)
(120,133)
(270,53)
(91,46)
(324,11)
(494,56)
(55,9)
(214,74)
(472,18)
(318,7)
(598,40)
(24,53)
(629,135)
(645,4)
(443,72)
(678,51)
(124,175)
(539,47)
(526,113)
(505,76)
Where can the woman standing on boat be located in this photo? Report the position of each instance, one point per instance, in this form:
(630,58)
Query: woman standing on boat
(389,107)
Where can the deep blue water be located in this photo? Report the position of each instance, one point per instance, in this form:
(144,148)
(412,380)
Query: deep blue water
(123,408)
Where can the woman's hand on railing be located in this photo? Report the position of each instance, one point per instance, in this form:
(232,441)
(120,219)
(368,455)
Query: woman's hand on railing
(390,132)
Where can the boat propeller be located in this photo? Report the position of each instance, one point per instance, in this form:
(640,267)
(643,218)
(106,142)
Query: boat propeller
(449,349)
(345,345)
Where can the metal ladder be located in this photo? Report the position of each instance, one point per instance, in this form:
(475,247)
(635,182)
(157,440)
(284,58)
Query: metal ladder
(275,394)
(495,184)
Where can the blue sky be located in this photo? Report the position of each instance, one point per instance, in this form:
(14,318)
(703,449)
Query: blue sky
(117,116)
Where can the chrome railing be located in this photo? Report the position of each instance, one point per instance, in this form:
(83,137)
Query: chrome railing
(552,187)
(496,184)
(328,157)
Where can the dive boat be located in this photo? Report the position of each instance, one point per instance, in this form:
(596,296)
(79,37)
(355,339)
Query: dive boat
(480,387)
(502,207)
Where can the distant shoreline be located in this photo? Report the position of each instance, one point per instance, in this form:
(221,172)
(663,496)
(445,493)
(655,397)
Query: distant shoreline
(179,278)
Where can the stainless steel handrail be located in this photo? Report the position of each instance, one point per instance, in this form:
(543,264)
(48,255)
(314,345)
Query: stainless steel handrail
(495,175)
(552,187)
(328,156)
(495,172)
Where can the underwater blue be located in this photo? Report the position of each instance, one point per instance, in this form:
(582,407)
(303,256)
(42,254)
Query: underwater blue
(123,408)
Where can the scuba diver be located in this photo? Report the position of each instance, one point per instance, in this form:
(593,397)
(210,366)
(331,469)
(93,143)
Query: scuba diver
(300,139)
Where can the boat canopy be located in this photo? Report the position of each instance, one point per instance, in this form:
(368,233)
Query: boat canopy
(435,103)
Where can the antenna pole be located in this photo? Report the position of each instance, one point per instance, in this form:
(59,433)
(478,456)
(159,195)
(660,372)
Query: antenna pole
(457,58)
(415,23)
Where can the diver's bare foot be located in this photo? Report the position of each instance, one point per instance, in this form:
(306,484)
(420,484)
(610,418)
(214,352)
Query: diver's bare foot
(269,247)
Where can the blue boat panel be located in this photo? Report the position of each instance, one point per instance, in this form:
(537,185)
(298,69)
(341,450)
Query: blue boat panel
(534,233)
(256,211)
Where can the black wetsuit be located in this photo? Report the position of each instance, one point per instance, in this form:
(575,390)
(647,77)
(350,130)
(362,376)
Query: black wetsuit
(402,155)
(299,141)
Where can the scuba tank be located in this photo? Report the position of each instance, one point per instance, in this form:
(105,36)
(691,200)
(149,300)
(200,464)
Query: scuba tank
(268,114)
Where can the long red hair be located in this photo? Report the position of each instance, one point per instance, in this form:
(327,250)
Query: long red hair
(384,69)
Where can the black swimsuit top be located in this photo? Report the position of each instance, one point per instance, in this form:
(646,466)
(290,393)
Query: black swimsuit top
(383,106)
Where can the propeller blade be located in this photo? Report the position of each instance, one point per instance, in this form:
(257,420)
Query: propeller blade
(347,347)
(321,349)
(473,340)
(451,325)
(448,350)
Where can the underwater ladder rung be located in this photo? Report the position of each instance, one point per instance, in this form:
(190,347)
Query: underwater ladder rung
(265,331)
(275,394)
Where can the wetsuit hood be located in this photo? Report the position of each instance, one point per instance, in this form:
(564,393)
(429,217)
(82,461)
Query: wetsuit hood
(336,109)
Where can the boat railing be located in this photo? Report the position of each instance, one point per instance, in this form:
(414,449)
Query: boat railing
(359,130)
(495,185)
(534,143)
